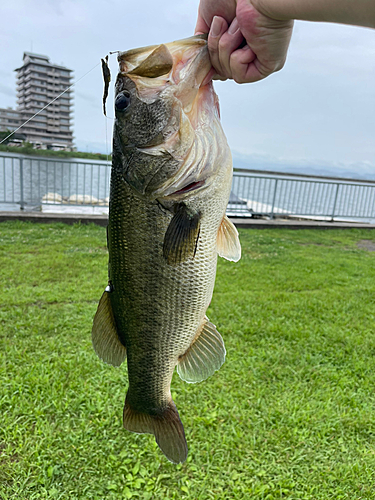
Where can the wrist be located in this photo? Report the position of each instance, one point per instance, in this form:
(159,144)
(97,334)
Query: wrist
(275,9)
(358,13)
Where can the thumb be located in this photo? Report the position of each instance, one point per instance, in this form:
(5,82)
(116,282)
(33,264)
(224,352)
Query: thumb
(201,26)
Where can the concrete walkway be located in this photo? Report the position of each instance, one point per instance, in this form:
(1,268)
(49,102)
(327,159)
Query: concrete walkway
(247,223)
(297,224)
(101,220)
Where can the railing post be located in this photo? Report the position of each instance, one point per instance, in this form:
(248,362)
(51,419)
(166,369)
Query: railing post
(21,185)
(274,198)
(335,201)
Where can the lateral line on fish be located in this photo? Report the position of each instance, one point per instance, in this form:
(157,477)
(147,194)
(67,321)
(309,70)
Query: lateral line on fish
(162,251)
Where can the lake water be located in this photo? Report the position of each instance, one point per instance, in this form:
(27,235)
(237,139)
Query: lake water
(306,196)
(82,186)
(28,181)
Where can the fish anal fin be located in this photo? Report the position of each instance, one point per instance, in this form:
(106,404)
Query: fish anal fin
(181,237)
(205,355)
(166,427)
(228,242)
(105,339)
(158,63)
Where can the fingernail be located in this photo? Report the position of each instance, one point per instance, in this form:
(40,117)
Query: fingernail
(233,28)
(215,27)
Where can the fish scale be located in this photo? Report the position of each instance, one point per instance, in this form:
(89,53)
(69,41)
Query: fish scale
(166,227)
(157,306)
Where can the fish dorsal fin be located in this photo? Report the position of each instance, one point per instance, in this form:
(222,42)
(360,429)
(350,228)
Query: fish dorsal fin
(205,355)
(181,237)
(228,242)
(105,339)
(158,63)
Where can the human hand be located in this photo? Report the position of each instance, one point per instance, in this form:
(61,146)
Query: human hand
(244,44)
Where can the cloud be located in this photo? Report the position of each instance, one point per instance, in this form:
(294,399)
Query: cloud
(320,106)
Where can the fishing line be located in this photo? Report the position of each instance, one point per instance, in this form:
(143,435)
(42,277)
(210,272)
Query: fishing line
(107,78)
(46,106)
(106,137)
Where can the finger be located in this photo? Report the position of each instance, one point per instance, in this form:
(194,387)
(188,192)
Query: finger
(210,76)
(228,43)
(201,26)
(218,77)
(218,27)
(245,66)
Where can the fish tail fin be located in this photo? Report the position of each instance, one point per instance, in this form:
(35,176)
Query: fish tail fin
(166,426)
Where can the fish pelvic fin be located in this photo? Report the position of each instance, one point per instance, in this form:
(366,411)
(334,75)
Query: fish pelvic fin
(105,339)
(228,242)
(166,426)
(181,237)
(205,355)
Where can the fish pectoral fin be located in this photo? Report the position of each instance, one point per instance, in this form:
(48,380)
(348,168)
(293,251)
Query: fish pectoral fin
(205,355)
(105,339)
(166,426)
(181,237)
(228,242)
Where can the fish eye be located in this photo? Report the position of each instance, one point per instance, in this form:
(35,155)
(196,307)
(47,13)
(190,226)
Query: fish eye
(122,101)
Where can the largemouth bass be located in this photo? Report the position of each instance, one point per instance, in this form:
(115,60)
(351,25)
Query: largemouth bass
(170,184)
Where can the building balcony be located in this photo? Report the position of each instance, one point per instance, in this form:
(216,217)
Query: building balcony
(34,125)
(53,95)
(57,88)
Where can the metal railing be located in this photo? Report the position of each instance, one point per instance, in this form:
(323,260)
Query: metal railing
(283,195)
(33,182)
(41,183)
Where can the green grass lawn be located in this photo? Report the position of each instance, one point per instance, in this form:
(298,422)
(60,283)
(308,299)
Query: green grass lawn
(291,414)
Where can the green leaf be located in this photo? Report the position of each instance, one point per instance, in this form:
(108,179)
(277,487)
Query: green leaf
(138,483)
(136,468)
(127,492)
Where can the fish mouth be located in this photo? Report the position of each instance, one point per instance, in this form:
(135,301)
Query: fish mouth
(175,72)
(155,61)
(180,66)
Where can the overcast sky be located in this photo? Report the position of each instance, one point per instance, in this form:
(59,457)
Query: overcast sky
(319,108)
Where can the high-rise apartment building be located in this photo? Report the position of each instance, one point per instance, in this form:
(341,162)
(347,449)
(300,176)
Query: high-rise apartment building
(9,119)
(38,83)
